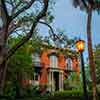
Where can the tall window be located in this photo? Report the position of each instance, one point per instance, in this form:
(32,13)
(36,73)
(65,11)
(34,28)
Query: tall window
(35,78)
(36,59)
(69,63)
(53,61)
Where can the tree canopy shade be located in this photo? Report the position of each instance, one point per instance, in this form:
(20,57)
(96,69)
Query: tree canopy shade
(14,15)
(97,62)
(20,62)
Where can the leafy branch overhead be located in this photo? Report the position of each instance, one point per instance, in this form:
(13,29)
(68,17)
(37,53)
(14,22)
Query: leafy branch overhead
(84,4)
(17,13)
(14,15)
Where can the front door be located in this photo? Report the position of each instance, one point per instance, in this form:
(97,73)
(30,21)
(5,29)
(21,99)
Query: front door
(56,80)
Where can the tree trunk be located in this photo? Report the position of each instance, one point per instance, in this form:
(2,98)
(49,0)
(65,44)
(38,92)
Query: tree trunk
(90,53)
(2,76)
(3,40)
(3,52)
(6,19)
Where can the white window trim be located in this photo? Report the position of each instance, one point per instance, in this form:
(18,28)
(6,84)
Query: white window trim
(53,61)
(35,58)
(69,63)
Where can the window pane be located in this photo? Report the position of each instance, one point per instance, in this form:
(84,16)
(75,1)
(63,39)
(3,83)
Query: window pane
(53,61)
(69,63)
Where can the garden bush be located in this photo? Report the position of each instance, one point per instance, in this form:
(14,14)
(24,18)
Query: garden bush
(31,94)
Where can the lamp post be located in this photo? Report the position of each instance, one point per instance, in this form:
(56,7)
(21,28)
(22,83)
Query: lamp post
(80,44)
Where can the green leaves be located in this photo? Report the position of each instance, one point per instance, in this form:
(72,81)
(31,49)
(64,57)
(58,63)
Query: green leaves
(84,4)
(97,62)
(21,61)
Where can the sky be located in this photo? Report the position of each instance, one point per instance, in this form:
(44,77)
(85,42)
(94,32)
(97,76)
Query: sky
(73,22)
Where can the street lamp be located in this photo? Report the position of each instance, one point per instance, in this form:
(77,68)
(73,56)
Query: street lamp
(80,45)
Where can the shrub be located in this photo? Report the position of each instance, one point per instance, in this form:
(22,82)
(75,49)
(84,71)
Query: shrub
(69,93)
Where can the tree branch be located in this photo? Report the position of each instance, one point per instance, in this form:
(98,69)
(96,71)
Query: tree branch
(23,9)
(15,7)
(97,5)
(94,4)
(84,3)
(18,33)
(4,8)
(28,36)
(47,26)
(53,34)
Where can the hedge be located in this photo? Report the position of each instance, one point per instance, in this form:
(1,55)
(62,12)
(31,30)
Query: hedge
(64,95)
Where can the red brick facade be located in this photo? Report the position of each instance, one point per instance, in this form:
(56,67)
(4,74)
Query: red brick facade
(61,66)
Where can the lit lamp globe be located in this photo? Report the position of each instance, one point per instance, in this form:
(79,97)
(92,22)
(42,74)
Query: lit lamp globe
(80,45)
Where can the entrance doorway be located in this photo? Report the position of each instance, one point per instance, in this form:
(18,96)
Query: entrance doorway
(56,80)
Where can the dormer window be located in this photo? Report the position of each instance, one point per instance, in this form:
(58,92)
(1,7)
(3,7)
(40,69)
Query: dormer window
(53,60)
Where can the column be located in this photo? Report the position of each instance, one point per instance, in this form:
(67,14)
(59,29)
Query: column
(59,81)
(62,81)
(50,81)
